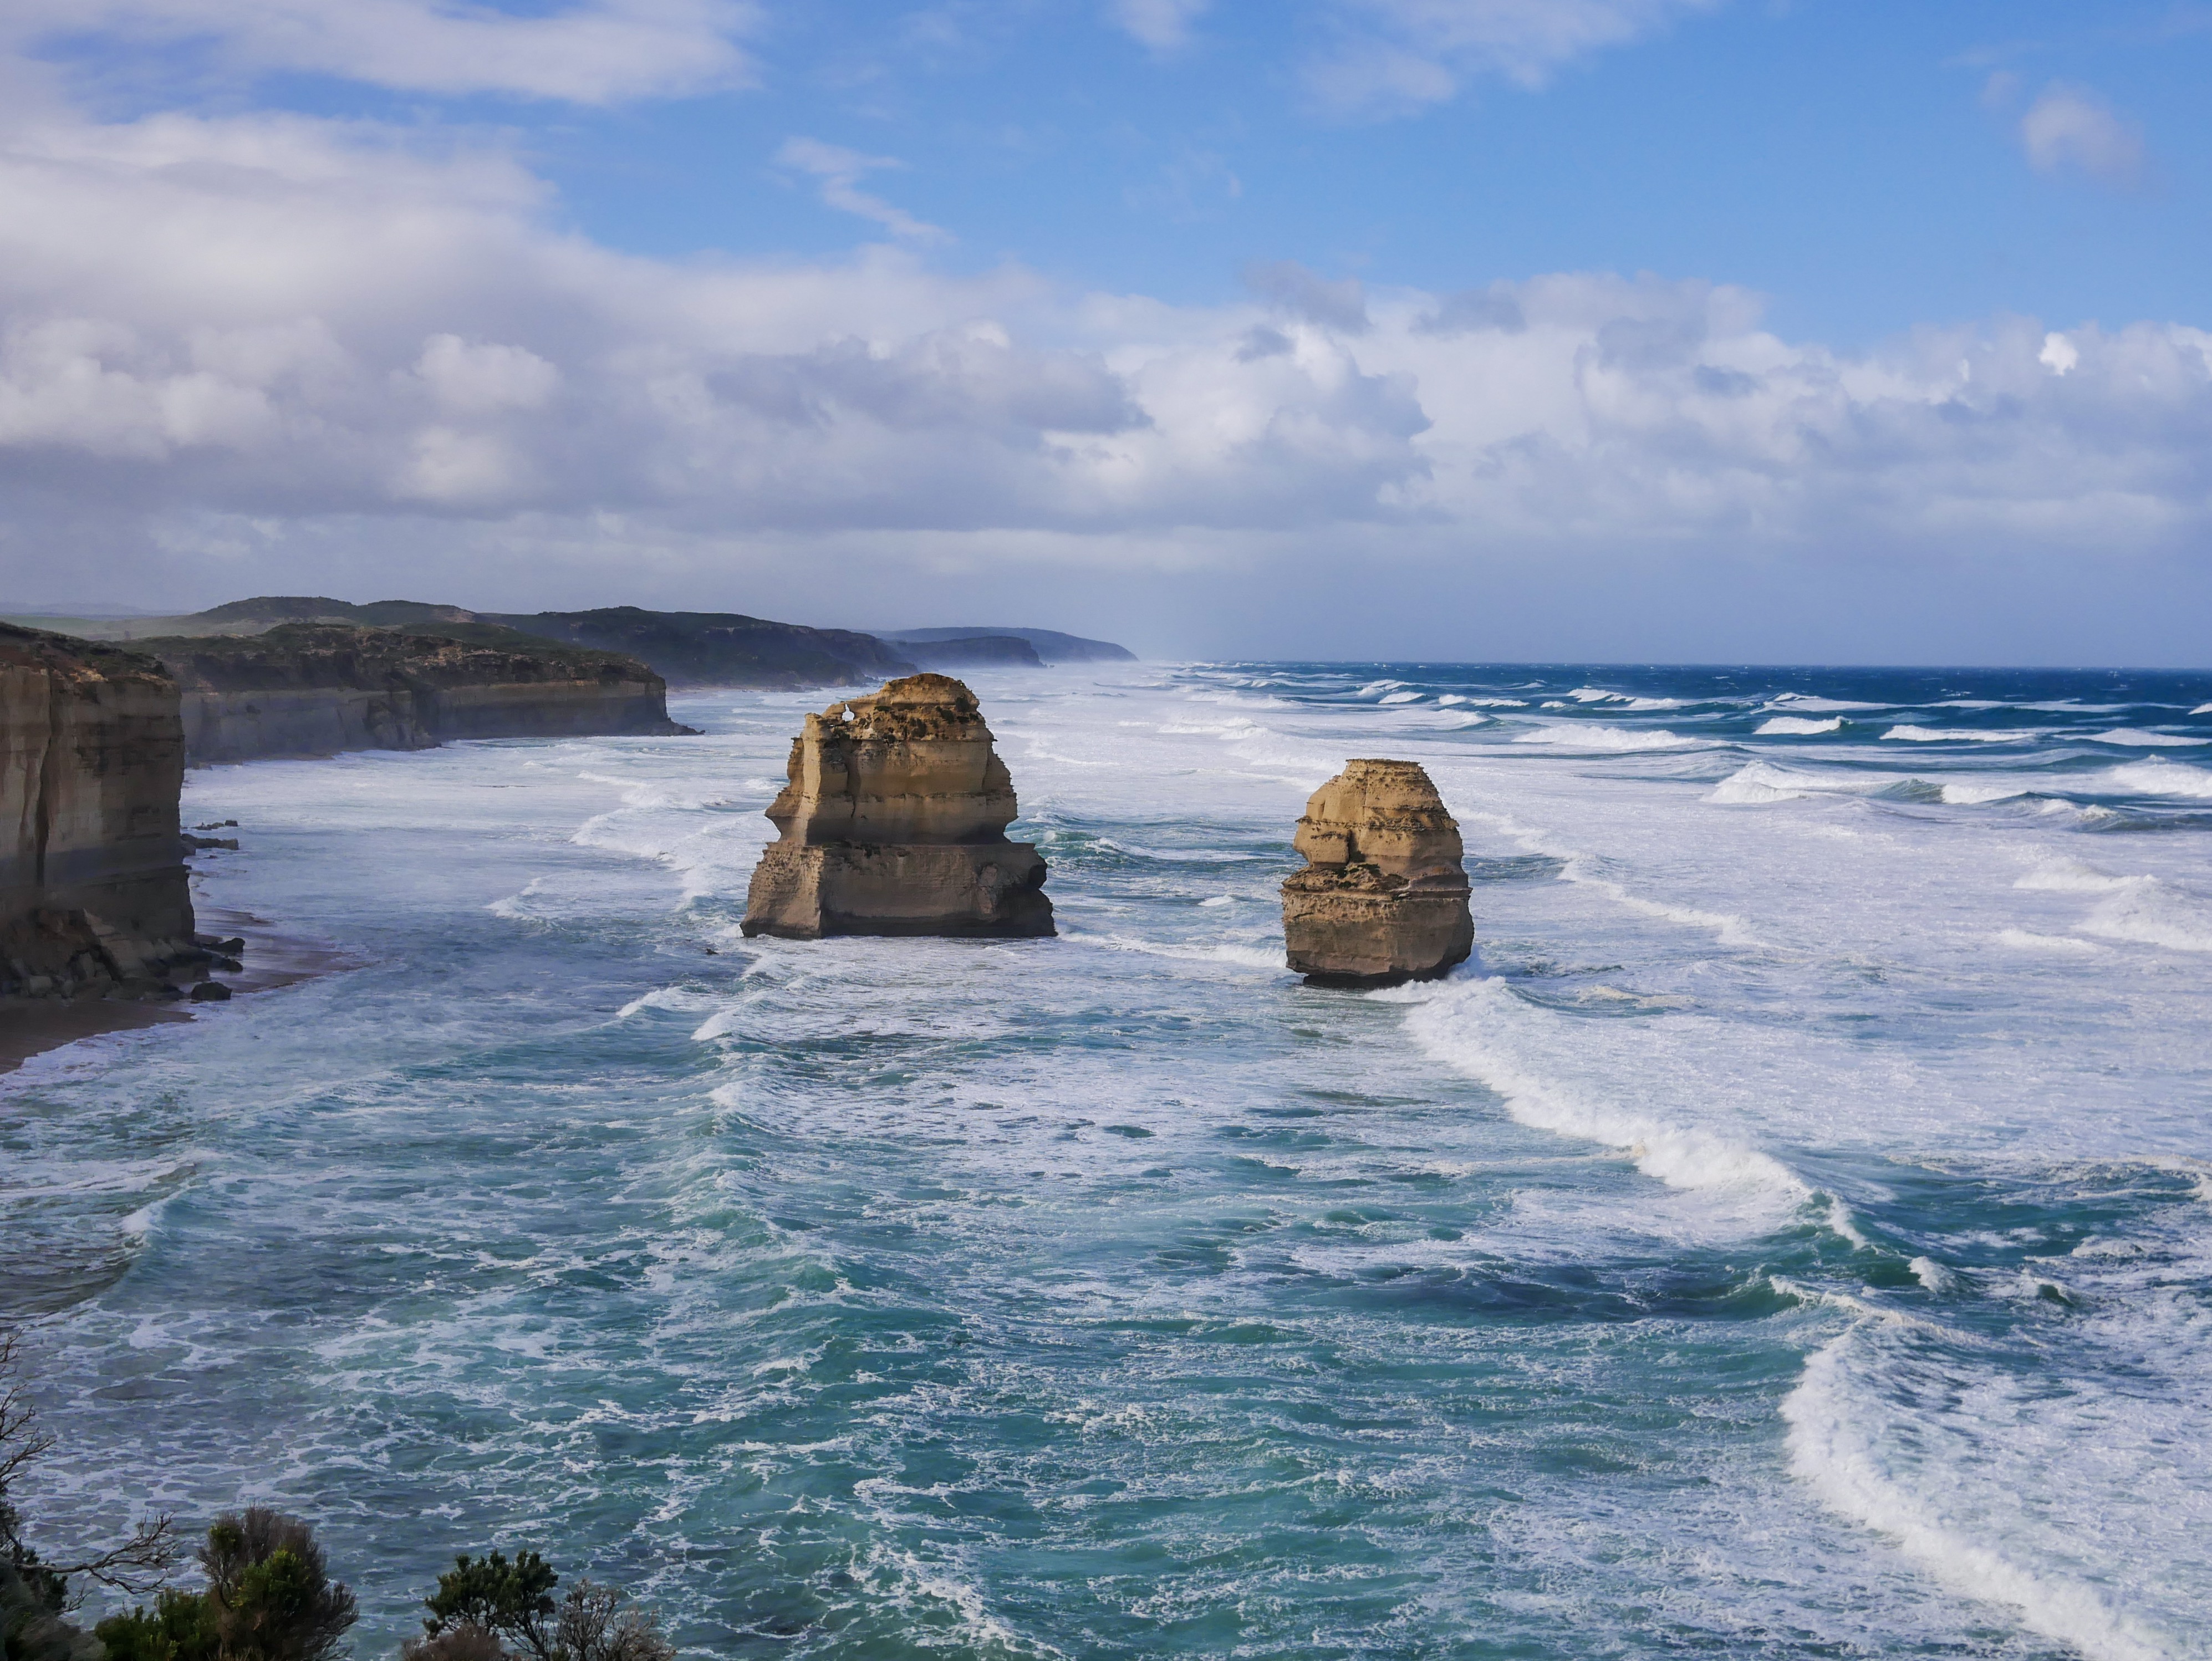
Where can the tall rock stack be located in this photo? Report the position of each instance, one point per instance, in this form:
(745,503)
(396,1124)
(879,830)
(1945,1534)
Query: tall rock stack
(93,888)
(894,822)
(1383,896)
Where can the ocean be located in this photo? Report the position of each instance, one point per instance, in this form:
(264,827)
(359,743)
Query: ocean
(1790,1236)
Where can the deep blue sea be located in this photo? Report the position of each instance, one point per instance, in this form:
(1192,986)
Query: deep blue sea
(1791,1237)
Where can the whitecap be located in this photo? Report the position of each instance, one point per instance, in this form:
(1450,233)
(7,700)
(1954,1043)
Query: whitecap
(1957,735)
(1931,1274)
(2160,778)
(1795,724)
(2138,736)
(2021,940)
(2146,912)
(1596,737)
(1976,796)
(1758,782)
(1825,706)
(2072,876)
(1595,695)
(1400,698)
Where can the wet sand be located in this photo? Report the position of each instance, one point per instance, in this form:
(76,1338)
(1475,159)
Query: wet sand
(32,1026)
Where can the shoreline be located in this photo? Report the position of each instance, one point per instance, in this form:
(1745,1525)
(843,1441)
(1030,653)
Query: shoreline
(31,1027)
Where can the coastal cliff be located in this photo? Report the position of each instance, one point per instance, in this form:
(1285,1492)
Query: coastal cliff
(894,822)
(687,648)
(719,648)
(314,689)
(1383,897)
(93,890)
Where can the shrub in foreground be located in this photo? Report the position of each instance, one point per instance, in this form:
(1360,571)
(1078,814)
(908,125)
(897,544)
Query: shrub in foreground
(270,1597)
(490,1609)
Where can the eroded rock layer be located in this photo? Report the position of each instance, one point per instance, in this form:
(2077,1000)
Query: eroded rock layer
(894,822)
(93,888)
(1383,897)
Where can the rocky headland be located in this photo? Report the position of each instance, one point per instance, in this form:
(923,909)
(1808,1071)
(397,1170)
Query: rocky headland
(721,648)
(1050,647)
(1383,897)
(686,649)
(318,689)
(94,896)
(894,822)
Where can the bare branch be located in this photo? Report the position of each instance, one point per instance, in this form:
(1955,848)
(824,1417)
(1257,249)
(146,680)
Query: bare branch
(135,1567)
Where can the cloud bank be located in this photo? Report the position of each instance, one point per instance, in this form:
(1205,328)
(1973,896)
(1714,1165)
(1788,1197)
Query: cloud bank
(263,352)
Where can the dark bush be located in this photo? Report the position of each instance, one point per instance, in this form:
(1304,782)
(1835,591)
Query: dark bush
(512,1601)
(271,1593)
(456,1643)
(180,1628)
(490,1610)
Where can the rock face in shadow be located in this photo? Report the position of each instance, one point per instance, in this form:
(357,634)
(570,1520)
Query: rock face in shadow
(315,690)
(894,822)
(93,890)
(1383,896)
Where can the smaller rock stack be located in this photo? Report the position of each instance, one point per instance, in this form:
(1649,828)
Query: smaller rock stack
(894,822)
(1383,896)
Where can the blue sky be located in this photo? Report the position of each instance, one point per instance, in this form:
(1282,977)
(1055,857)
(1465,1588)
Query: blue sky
(1127,305)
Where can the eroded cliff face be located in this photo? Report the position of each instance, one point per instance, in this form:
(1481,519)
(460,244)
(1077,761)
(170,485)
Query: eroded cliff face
(1383,897)
(93,888)
(894,822)
(311,689)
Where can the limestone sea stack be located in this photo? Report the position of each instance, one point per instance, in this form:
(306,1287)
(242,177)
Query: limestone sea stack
(894,822)
(1383,896)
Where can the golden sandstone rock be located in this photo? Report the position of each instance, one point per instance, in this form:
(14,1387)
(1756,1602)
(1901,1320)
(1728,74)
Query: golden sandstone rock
(1383,896)
(894,822)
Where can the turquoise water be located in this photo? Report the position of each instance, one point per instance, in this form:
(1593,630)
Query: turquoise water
(1789,1236)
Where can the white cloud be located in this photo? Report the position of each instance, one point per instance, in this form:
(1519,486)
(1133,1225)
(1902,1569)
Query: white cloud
(840,171)
(595,52)
(1399,55)
(2067,128)
(290,344)
(468,380)
(1162,25)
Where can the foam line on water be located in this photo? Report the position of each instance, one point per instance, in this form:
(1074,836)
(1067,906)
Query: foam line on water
(1830,1451)
(1469,1026)
(1574,868)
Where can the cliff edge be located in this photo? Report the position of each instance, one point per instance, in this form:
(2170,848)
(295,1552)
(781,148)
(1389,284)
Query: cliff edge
(92,890)
(894,822)
(1383,897)
(314,689)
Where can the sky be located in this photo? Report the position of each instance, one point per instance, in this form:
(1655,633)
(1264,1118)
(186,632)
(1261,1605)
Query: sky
(1752,330)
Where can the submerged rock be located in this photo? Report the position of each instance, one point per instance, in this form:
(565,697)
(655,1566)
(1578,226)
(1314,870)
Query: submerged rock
(1383,896)
(894,822)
